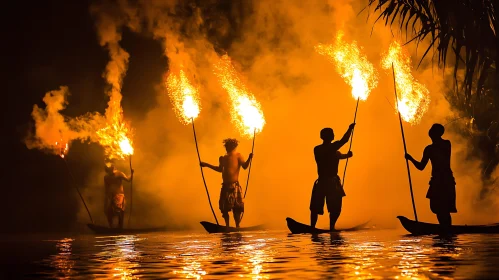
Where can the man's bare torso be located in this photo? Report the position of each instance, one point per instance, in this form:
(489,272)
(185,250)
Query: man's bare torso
(231,164)
(114,183)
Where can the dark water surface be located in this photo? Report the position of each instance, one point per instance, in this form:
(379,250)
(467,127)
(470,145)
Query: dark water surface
(371,254)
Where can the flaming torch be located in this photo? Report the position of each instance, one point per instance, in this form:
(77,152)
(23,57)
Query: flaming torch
(246,112)
(414,97)
(115,137)
(185,100)
(355,69)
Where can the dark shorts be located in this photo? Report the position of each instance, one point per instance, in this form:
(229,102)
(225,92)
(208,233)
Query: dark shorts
(329,191)
(231,198)
(442,194)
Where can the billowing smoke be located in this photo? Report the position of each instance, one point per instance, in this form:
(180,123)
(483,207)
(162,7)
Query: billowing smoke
(53,131)
(271,44)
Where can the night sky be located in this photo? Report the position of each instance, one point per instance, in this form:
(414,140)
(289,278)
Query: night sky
(49,44)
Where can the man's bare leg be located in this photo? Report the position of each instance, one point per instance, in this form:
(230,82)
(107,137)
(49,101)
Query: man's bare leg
(237,218)
(333,217)
(226,218)
(109,219)
(121,218)
(313,219)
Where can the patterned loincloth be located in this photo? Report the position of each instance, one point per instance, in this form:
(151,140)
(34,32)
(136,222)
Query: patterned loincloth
(116,203)
(231,198)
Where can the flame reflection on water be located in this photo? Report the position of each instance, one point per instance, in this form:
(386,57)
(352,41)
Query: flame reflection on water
(272,254)
(118,256)
(63,261)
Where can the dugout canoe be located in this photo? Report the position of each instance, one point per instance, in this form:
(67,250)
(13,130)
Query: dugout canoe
(297,228)
(421,228)
(106,230)
(214,228)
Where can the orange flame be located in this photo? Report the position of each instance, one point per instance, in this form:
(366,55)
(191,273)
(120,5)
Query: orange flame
(413,97)
(246,112)
(115,137)
(184,96)
(353,66)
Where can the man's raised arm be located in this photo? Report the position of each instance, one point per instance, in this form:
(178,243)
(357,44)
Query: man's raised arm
(345,137)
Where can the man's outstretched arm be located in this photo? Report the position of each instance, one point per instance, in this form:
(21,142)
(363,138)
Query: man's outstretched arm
(218,168)
(424,161)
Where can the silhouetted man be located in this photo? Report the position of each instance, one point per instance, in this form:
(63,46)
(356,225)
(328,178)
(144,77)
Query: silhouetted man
(328,186)
(231,194)
(115,195)
(442,190)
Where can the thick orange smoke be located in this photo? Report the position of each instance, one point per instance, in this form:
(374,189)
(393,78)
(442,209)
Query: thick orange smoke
(413,97)
(54,132)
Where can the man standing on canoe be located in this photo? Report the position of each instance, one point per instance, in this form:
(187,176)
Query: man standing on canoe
(115,195)
(328,186)
(231,194)
(442,190)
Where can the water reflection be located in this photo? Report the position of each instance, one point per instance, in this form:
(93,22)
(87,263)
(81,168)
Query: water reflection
(193,254)
(117,257)
(265,255)
(256,255)
(328,254)
(62,261)
(445,256)
(231,241)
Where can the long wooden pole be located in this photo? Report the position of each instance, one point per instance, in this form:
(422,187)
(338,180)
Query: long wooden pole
(405,147)
(249,170)
(131,191)
(351,141)
(78,190)
(202,174)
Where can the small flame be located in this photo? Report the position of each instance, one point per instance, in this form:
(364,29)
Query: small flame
(413,97)
(353,66)
(184,96)
(246,112)
(61,148)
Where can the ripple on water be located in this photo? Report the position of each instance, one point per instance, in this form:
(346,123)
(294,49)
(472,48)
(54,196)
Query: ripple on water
(262,255)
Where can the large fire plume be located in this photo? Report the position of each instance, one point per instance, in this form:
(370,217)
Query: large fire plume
(413,97)
(352,65)
(116,136)
(246,112)
(183,95)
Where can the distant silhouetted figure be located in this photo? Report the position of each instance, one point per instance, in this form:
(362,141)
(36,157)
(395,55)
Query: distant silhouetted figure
(442,190)
(328,186)
(115,195)
(231,194)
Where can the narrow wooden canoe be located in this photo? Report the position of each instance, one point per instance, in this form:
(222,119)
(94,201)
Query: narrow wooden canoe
(214,228)
(105,230)
(420,228)
(297,227)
